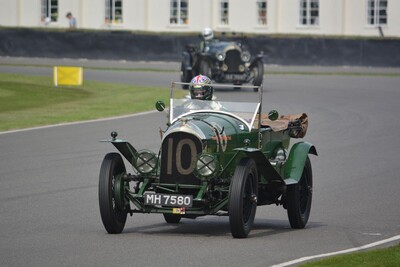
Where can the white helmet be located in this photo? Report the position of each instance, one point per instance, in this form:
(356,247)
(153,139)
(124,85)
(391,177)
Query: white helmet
(207,34)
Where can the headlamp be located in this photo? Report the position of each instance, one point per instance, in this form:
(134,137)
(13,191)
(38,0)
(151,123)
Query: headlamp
(221,56)
(206,166)
(246,56)
(145,162)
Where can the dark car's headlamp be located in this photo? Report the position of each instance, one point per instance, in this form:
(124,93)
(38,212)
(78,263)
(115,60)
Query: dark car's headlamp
(206,166)
(221,56)
(145,162)
(246,56)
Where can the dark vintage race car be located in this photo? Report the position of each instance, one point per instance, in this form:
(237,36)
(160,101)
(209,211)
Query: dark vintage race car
(223,62)
(216,158)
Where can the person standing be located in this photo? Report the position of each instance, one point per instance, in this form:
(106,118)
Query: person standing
(71,20)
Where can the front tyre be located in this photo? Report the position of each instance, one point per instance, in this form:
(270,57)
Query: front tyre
(243,198)
(258,74)
(113,217)
(299,198)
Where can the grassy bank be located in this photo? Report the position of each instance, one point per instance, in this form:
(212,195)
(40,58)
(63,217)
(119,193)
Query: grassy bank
(28,101)
(381,257)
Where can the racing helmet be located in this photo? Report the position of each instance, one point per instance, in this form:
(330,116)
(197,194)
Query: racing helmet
(200,88)
(207,34)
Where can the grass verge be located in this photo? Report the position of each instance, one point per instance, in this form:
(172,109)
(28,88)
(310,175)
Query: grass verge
(381,257)
(28,101)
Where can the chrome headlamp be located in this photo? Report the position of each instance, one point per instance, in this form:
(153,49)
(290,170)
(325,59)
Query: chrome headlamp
(221,56)
(145,162)
(246,56)
(206,166)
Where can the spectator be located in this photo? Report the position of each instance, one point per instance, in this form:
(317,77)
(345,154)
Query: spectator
(71,20)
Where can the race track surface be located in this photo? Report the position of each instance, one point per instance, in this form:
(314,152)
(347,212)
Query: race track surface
(49,213)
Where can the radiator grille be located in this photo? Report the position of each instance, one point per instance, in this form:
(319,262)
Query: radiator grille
(179,151)
(233,60)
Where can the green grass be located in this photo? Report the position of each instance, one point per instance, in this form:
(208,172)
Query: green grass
(28,101)
(381,257)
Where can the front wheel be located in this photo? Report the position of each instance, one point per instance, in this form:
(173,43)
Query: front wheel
(243,198)
(258,74)
(299,198)
(111,171)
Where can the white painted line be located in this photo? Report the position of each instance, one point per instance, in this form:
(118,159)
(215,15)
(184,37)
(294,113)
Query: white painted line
(394,238)
(79,122)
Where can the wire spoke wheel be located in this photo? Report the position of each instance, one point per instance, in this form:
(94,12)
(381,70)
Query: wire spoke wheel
(258,74)
(112,215)
(299,198)
(243,198)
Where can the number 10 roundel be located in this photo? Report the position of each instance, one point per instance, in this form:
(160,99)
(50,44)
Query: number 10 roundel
(178,153)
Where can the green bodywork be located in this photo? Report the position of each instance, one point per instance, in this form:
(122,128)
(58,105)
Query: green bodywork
(229,140)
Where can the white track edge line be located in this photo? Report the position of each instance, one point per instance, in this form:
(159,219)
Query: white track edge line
(394,238)
(78,122)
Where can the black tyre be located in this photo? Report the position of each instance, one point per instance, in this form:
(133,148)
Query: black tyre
(205,69)
(113,217)
(186,76)
(243,198)
(299,197)
(172,218)
(258,74)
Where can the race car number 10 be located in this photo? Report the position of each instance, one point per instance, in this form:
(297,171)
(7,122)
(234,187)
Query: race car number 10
(168,200)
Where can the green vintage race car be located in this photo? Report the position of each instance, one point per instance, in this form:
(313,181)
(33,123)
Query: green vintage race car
(216,158)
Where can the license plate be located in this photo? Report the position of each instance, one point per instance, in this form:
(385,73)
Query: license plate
(235,76)
(168,200)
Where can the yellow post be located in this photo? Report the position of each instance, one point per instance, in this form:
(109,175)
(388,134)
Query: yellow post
(68,75)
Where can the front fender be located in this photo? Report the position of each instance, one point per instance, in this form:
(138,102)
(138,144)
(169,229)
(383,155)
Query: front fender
(294,166)
(259,57)
(126,149)
(263,165)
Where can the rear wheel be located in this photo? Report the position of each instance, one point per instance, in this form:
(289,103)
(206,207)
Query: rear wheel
(299,197)
(258,74)
(111,171)
(172,218)
(243,198)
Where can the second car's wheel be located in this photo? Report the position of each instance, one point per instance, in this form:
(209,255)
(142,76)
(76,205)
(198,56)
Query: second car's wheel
(111,170)
(172,218)
(299,198)
(205,69)
(258,74)
(186,76)
(243,198)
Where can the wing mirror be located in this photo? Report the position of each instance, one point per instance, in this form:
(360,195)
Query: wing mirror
(273,115)
(160,105)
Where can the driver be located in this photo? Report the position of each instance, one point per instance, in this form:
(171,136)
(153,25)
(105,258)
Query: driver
(207,36)
(200,88)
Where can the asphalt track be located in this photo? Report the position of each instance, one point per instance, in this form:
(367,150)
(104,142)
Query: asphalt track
(49,212)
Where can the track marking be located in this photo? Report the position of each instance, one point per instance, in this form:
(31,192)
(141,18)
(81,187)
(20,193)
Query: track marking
(394,238)
(78,122)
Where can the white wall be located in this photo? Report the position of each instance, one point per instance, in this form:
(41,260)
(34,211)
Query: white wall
(337,17)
